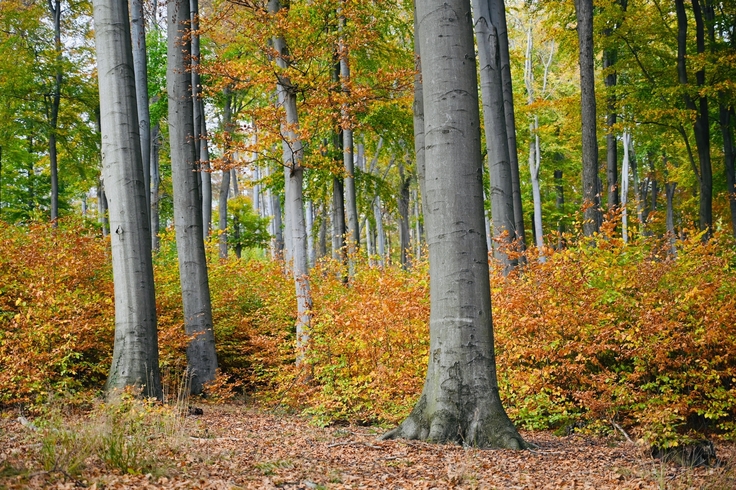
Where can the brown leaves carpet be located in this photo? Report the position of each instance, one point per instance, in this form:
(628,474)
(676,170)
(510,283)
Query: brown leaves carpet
(231,447)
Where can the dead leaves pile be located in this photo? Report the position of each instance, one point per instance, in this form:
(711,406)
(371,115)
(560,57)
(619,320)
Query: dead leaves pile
(233,447)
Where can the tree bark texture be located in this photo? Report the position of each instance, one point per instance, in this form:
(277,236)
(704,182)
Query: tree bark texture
(195,289)
(502,204)
(497,11)
(460,400)
(225,184)
(404,239)
(155,186)
(351,203)
(55,9)
(591,191)
(294,175)
(140,64)
(135,351)
(701,126)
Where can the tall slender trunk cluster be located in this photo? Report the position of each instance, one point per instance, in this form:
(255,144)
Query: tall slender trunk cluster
(201,354)
(140,63)
(135,352)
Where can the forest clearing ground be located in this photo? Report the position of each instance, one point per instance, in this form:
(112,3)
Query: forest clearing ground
(236,446)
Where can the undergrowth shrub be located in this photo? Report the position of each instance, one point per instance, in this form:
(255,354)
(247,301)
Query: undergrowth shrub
(593,336)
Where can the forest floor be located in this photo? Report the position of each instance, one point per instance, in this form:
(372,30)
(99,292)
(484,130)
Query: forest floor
(235,446)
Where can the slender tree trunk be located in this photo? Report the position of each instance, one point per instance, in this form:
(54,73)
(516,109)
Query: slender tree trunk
(460,400)
(669,189)
(497,11)
(135,352)
(729,155)
(276,223)
(55,9)
(560,206)
(234,182)
(338,218)
(322,242)
(195,288)
(227,116)
(380,234)
(351,204)
(200,123)
(155,186)
(701,127)
(102,207)
(609,61)
(140,63)
(625,188)
(404,241)
(311,255)
(293,173)
(591,191)
(502,204)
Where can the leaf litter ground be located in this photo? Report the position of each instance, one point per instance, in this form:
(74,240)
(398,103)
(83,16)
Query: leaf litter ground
(234,446)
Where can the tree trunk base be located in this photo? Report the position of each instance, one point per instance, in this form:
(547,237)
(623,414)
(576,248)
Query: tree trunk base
(482,428)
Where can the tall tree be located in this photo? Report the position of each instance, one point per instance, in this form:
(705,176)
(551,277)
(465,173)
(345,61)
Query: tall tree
(195,288)
(591,190)
(499,165)
(497,10)
(135,353)
(460,400)
(53,108)
(701,126)
(294,175)
(140,62)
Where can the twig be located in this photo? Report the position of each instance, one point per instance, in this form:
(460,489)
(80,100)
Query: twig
(620,429)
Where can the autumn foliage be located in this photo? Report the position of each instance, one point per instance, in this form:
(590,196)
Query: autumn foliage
(623,334)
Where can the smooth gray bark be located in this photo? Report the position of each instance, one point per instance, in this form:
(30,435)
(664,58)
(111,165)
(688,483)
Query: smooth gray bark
(294,175)
(338,218)
(140,64)
(380,234)
(625,188)
(200,123)
(460,400)
(227,115)
(404,238)
(498,19)
(195,288)
(499,166)
(418,109)
(351,203)
(155,186)
(135,352)
(591,190)
(669,189)
(53,110)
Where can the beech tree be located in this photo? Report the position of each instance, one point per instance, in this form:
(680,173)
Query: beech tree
(195,288)
(591,190)
(135,352)
(460,400)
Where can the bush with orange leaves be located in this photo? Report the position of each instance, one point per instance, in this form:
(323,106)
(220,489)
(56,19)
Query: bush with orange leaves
(595,336)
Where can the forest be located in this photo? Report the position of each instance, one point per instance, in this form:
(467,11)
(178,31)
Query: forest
(358,243)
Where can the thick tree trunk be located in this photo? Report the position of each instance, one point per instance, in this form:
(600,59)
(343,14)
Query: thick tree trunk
(155,187)
(195,288)
(497,10)
(591,191)
(135,352)
(502,204)
(294,175)
(418,110)
(460,400)
(140,63)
